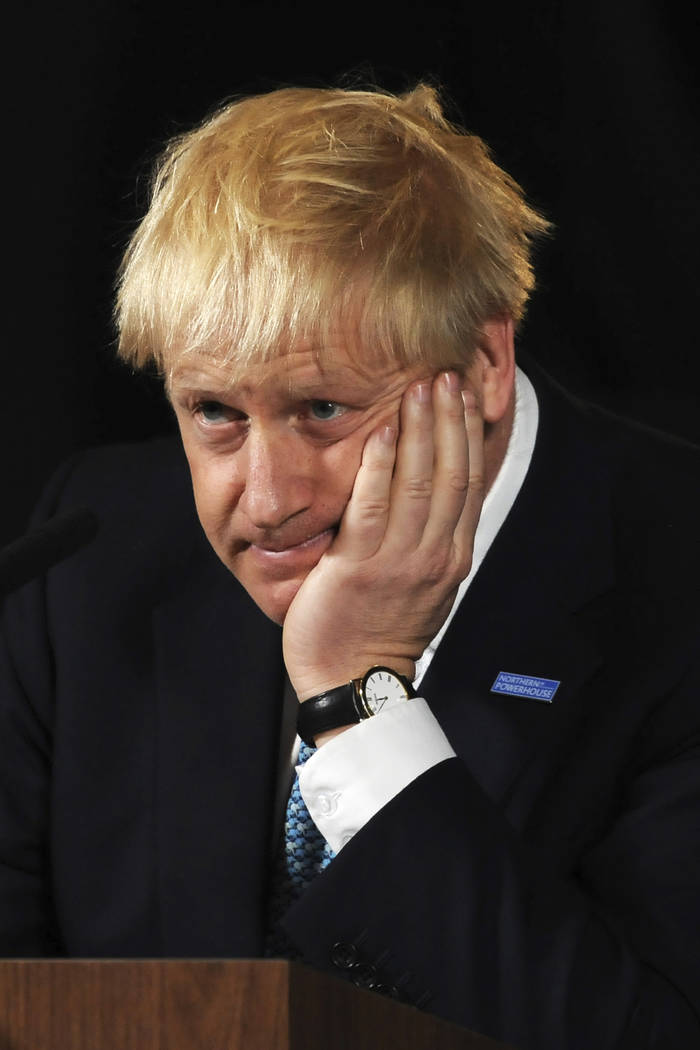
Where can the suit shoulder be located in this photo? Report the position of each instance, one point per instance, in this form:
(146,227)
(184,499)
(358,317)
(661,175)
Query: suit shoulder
(646,469)
(631,489)
(141,495)
(656,513)
(117,475)
(638,438)
(656,474)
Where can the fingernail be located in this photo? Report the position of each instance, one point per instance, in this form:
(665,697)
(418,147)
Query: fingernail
(387,435)
(469,399)
(451,380)
(422,392)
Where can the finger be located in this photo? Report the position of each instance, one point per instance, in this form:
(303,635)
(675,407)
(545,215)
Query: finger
(412,487)
(451,466)
(476,490)
(364,522)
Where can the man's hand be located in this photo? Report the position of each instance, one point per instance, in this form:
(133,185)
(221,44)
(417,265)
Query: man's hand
(387,583)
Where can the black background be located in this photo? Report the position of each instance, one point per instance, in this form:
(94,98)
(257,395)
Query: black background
(592,106)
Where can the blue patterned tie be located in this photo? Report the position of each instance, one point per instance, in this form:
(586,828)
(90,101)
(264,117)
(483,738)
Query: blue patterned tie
(302,855)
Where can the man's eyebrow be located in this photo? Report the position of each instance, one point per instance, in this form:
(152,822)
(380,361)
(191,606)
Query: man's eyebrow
(195,379)
(192,376)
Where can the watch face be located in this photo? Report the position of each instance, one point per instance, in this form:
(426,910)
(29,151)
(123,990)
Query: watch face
(382,689)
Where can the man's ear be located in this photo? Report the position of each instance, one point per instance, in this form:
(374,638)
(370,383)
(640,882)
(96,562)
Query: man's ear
(493,371)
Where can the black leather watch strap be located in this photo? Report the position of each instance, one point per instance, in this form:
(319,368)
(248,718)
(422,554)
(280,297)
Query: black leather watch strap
(329,710)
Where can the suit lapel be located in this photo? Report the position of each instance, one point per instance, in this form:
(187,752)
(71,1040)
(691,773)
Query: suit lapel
(220,682)
(525,611)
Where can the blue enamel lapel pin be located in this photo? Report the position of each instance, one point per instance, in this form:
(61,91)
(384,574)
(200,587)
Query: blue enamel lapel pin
(526,686)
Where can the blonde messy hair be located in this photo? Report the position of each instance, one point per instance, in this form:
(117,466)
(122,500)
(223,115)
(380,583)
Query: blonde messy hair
(287,215)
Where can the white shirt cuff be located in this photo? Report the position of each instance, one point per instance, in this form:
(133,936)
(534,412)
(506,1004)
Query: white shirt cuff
(356,773)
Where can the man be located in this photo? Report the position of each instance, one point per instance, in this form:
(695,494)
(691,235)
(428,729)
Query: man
(329,282)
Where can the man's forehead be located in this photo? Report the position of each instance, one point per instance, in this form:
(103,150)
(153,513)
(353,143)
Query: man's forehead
(335,361)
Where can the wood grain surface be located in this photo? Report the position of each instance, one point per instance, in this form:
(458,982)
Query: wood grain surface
(205,1005)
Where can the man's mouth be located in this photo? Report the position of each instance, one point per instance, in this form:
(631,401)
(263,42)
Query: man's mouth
(306,550)
(277,547)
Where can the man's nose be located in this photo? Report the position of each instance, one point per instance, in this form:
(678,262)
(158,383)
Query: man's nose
(278,476)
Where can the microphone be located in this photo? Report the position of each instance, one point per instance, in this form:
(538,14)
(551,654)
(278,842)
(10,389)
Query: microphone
(47,545)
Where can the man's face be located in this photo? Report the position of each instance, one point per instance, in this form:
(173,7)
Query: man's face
(274,457)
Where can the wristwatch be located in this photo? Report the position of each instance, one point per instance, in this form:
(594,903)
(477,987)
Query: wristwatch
(379,689)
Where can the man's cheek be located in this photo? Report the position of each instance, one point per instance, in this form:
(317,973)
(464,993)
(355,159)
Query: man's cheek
(214,517)
(351,462)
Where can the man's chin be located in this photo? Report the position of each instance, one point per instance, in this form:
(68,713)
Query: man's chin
(273,599)
(272,582)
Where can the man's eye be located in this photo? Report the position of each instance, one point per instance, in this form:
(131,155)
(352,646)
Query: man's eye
(325,410)
(213,412)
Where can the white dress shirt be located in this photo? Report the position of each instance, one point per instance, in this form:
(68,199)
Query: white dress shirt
(357,772)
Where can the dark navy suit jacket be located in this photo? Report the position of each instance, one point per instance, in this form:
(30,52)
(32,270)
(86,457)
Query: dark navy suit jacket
(542,887)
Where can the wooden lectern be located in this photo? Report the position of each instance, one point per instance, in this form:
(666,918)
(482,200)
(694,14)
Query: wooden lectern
(206,1005)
